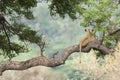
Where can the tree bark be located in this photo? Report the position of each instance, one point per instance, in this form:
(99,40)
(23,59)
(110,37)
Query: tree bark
(113,32)
(51,62)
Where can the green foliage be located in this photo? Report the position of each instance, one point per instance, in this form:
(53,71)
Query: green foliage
(12,48)
(102,15)
(17,7)
(63,7)
(9,51)
(98,14)
(15,10)
(99,55)
(25,33)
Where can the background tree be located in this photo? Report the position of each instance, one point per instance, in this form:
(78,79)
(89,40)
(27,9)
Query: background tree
(11,15)
(102,15)
(98,14)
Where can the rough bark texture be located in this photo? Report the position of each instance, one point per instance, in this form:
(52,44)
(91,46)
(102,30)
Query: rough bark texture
(51,62)
(54,61)
(113,31)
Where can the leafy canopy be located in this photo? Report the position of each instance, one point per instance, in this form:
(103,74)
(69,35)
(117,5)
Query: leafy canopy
(13,11)
(103,15)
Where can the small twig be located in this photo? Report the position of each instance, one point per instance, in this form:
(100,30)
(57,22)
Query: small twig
(42,48)
(54,55)
(102,38)
(112,32)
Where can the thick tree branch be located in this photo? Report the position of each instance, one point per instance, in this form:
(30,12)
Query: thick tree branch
(51,62)
(96,45)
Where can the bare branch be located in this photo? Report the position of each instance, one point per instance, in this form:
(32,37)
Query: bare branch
(113,31)
(41,60)
(55,54)
(118,1)
(42,47)
(51,62)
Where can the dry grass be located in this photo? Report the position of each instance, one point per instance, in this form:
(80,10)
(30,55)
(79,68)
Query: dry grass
(108,70)
(35,73)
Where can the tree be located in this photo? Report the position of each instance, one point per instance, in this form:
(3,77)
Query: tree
(102,15)
(98,14)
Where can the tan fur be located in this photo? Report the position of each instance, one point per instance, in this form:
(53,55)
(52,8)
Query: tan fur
(88,38)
